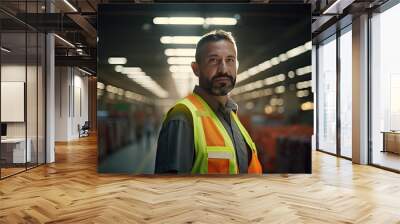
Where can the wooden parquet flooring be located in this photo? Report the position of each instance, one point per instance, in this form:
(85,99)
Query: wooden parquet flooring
(71,191)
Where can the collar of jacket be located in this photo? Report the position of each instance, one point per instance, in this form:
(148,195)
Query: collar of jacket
(215,104)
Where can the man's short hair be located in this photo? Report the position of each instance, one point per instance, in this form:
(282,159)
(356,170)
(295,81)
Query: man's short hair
(213,36)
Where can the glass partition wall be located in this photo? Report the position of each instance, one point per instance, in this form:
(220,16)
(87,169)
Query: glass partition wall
(326,59)
(22,77)
(345,92)
(334,94)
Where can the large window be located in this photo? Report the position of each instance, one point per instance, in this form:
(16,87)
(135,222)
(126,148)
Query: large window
(385,88)
(327,95)
(345,92)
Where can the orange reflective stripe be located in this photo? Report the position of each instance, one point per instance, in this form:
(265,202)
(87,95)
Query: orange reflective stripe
(211,132)
(255,166)
(218,166)
(196,102)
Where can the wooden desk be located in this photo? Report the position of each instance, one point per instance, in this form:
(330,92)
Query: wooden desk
(16,147)
(391,141)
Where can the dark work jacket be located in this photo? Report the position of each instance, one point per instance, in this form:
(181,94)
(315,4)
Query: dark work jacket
(175,148)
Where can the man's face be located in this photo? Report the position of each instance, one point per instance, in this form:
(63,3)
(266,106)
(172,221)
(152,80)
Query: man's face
(217,68)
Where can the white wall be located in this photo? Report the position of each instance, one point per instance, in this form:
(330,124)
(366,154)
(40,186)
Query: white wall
(15,73)
(71,94)
(61,103)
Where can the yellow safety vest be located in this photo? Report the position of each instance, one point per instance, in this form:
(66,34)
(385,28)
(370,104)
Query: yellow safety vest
(215,153)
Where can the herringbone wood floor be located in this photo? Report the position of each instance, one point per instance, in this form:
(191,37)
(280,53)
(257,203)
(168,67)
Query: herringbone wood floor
(71,191)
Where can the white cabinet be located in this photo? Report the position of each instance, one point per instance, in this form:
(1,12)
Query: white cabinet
(18,145)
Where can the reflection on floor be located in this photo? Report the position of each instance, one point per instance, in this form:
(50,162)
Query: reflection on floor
(10,171)
(138,158)
(387,159)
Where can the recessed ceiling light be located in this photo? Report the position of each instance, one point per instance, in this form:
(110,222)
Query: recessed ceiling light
(117,60)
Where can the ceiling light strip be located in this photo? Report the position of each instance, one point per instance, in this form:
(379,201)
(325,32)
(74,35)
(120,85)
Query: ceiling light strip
(70,5)
(271,80)
(221,21)
(137,75)
(5,50)
(274,61)
(64,40)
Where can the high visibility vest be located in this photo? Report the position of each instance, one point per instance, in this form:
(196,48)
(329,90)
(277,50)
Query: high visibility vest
(215,152)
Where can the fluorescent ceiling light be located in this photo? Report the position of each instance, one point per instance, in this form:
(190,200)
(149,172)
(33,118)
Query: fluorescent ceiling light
(100,85)
(178,20)
(70,5)
(65,41)
(303,85)
(308,45)
(131,70)
(136,76)
(180,39)
(119,68)
(180,52)
(296,51)
(273,80)
(307,105)
(180,68)
(304,70)
(5,49)
(302,93)
(291,74)
(283,57)
(274,61)
(180,60)
(117,60)
(120,92)
(111,89)
(279,89)
(222,21)
(140,77)
(265,65)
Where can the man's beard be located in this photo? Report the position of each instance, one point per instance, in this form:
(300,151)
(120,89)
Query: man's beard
(218,88)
